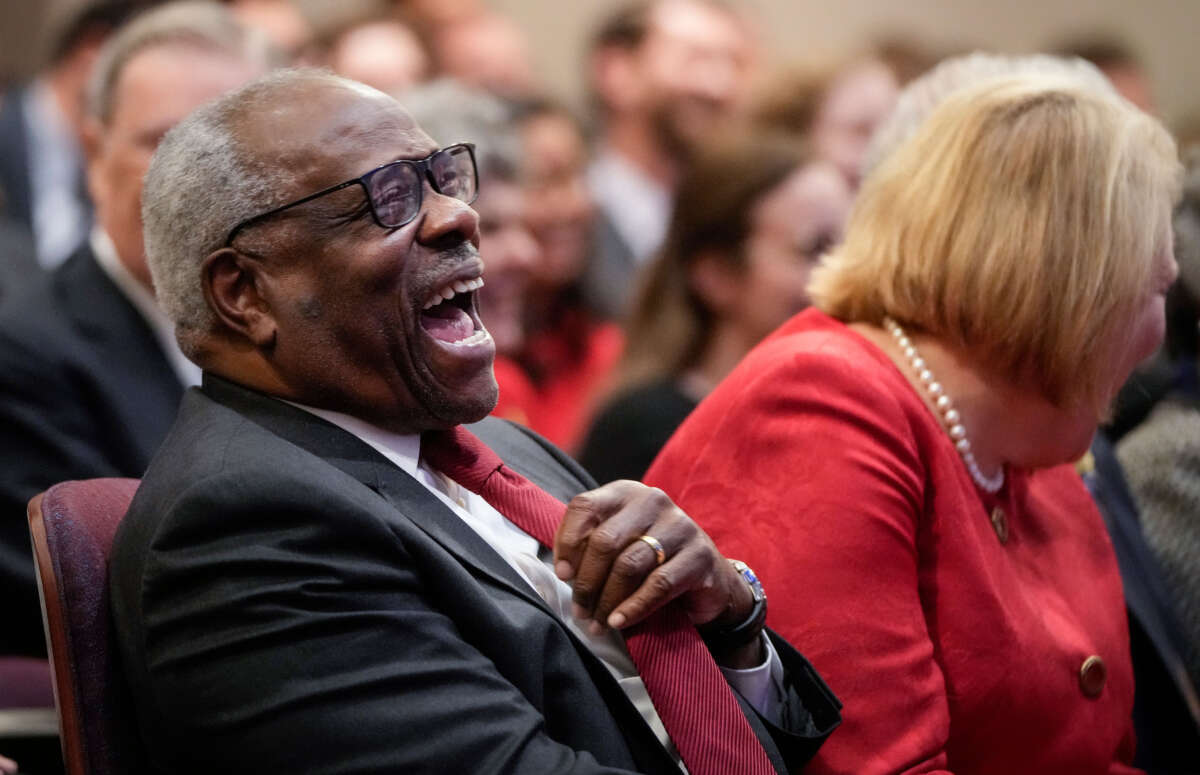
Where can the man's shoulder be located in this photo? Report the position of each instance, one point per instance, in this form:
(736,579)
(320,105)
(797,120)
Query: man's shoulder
(34,332)
(40,322)
(208,438)
(216,462)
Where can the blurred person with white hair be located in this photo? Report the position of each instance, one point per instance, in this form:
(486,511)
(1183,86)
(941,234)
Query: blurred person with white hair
(90,374)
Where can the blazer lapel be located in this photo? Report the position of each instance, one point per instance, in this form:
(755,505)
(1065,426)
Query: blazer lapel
(357,459)
(414,502)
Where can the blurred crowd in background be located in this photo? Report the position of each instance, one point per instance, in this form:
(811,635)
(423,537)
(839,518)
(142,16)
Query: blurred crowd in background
(636,249)
(603,293)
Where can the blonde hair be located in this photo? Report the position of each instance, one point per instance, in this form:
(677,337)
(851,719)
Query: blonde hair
(1019,223)
(919,98)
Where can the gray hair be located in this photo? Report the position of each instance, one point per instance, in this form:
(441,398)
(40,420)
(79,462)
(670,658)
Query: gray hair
(452,113)
(200,23)
(201,183)
(919,99)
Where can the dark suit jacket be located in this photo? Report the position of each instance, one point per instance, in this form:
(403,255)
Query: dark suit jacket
(18,254)
(610,275)
(14,158)
(287,600)
(19,268)
(1168,733)
(85,391)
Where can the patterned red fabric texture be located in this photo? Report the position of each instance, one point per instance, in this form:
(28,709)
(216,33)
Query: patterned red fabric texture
(692,698)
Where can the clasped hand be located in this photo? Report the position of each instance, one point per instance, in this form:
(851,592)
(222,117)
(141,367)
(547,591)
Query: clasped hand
(616,578)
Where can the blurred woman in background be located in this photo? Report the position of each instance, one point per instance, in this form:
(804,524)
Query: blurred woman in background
(753,214)
(896,461)
(569,352)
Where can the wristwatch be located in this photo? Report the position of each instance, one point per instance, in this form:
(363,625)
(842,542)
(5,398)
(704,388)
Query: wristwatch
(726,638)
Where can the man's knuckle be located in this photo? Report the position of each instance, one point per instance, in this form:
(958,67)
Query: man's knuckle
(662,582)
(628,566)
(659,500)
(584,501)
(604,541)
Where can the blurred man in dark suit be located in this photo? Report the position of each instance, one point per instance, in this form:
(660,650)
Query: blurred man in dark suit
(90,375)
(664,74)
(41,124)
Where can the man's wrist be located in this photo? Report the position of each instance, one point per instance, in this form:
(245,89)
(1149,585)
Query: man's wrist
(725,637)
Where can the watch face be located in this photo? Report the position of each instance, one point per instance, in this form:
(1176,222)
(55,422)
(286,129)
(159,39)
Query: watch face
(751,579)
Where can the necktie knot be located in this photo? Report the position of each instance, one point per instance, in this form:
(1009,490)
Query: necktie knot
(460,455)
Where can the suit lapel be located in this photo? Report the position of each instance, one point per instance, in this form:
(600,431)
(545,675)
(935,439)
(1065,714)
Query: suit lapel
(14,172)
(414,502)
(124,358)
(103,316)
(357,459)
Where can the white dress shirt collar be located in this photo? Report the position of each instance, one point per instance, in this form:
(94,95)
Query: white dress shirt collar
(403,449)
(59,214)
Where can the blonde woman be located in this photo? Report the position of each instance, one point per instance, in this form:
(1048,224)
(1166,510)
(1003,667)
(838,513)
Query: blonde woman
(894,461)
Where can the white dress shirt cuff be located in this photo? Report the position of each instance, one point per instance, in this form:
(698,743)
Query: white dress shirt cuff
(762,686)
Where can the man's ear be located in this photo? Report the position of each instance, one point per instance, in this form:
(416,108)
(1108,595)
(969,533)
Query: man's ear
(233,285)
(715,281)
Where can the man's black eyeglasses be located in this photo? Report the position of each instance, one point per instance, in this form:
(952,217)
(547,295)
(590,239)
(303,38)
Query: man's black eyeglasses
(395,190)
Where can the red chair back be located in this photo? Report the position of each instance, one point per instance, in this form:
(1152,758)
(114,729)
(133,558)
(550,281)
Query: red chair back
(25,683)
(72,525)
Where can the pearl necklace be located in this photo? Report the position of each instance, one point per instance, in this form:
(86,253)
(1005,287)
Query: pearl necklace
(951,420)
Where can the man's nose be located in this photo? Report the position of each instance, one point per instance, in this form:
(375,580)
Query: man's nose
(445,217)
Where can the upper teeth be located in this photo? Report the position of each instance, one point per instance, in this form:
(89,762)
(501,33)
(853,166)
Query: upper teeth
(450,290)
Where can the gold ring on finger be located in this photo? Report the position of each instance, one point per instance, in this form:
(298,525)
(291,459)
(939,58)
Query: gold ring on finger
(660,554)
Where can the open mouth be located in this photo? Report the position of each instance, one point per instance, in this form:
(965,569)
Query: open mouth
(449,314)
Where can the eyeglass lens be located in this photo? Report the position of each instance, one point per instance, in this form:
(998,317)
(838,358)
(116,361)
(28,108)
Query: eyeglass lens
(395,190)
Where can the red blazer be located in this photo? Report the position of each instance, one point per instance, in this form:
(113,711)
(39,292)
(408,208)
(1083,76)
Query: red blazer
(953,651)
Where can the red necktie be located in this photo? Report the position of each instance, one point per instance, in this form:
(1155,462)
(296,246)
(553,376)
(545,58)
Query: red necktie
(692,698)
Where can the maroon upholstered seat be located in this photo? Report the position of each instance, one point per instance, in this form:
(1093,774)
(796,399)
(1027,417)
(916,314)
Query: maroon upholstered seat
(72,525)
(25,683)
